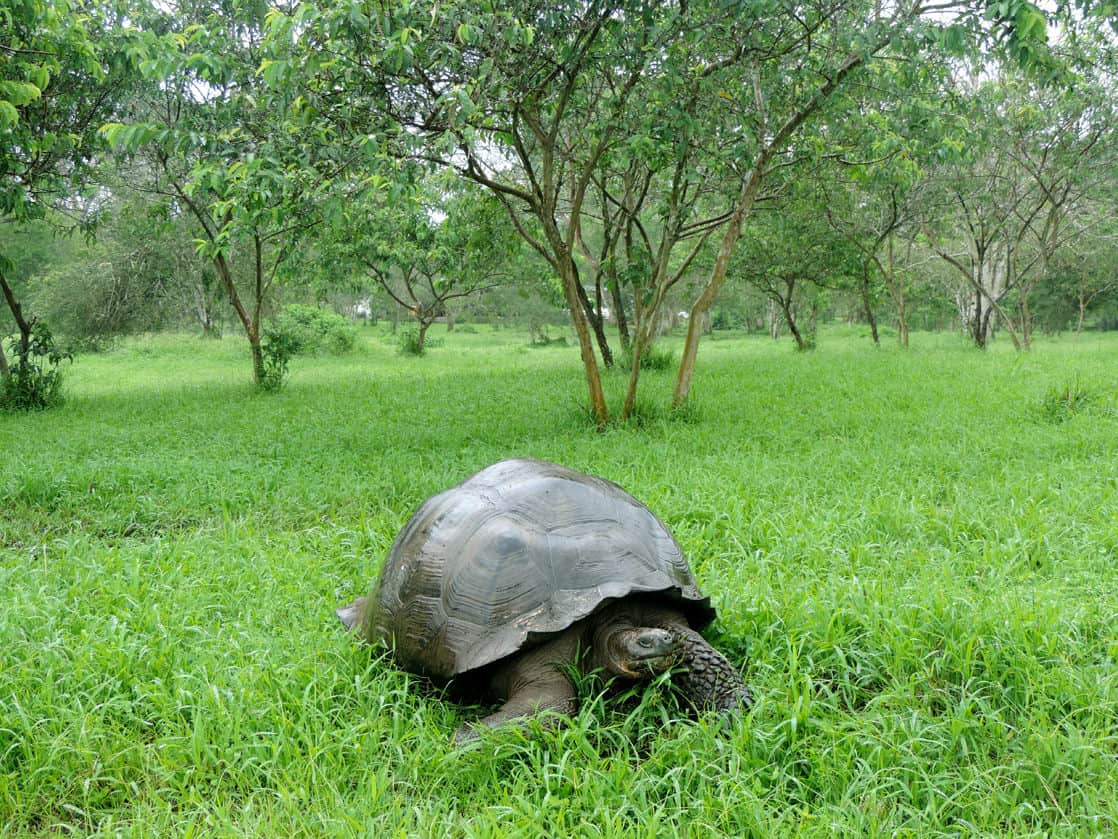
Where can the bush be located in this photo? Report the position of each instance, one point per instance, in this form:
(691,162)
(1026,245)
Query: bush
(277,347)
(544,341)
(34,381)
(407,342)
(308,330)
(653,358)
(91,344)
(1063,403)
(538,337)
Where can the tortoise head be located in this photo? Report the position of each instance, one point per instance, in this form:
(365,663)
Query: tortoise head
(638,652)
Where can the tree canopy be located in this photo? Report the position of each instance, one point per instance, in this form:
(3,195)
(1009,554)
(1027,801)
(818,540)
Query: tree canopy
(626,144)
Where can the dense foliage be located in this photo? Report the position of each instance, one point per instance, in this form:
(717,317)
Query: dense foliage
(312,330)
(35,379)
(388,158)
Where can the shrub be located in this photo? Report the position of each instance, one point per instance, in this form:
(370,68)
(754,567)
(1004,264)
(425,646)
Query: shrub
(91,344)
(653,358)
(1063,403)
(277,347)
(558,341)
(538,337)
(308,330)
(407,342)
(34,381)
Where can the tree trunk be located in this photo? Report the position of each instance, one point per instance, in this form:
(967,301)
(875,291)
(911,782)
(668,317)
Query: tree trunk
(568,274)
(1026,318)
(993,281)
(709,294)
(867,307)
(978,323)
(422,337)
(988,321)
(790,319)
(4,370)
(251,326)
(774,322)
(257,359)
(742,207)
(22,323)
(902,322)
(1082,316)
(619,313)
(637,351)
(987,327)
(896,291)
(594,318)
(204,310)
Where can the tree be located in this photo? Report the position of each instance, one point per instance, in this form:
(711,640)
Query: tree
(544,104)
(868,190)
(235,147)
(30,247)
(551,107)
(1034,158)
(821,47)
(1065,141)
(524,102)
(791,255)
(1084,275)
(63,68)
(659,188)
(140,274)
(433,246)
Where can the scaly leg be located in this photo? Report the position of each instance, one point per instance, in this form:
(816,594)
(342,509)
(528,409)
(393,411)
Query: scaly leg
(706,678)
(531,684)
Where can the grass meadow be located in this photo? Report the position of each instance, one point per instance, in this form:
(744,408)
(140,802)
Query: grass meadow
(914,556)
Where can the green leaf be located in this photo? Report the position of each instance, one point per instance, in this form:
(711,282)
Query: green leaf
(1031,23)
(465,103)
(19,93)
(38,75)
(9,116)
(467,34)
(275,73)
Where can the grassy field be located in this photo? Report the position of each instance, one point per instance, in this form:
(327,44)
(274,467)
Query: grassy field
(914,556)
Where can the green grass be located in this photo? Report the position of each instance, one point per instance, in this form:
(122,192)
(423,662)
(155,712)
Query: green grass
(914,556)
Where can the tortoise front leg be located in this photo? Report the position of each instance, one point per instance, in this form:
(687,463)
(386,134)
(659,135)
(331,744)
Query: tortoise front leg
(531,684)
(557,697)
(708,680)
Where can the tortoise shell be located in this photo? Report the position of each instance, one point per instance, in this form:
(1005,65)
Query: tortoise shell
(514,555)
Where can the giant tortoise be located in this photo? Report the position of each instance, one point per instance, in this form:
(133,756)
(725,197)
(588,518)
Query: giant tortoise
(528,568)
